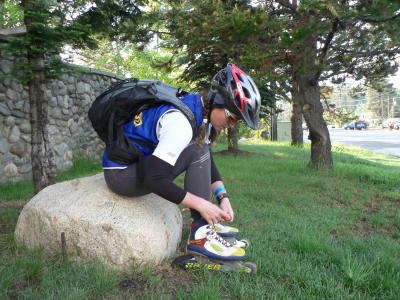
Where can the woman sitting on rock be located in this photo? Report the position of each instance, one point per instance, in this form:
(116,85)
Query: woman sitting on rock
(233,97)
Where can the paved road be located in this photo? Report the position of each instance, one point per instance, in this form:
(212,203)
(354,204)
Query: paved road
(377,140)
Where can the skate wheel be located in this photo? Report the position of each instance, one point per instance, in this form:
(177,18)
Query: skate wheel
(246,243)
(249,267)
(182,261)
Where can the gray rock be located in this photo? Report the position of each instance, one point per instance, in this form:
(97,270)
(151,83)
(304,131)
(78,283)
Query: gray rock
(4,110)
(26,137)
(80,131)
(7,82)
(97,223)
(14,134)
(2,96)
(17,86)
(11,105)
(20,161)
(71,89)
(48,94)
(80,87)
(10,170)
(86,100)
(61,84)
(25,126)
(12,95)
(5,131)
(25,169)
(9,121)
(25,94)
(61,149)
(19,105)
(18,149)
(73,128)
(59,161)
(27,107)
(6,66)
(55,112)
(63,91)
(52,129)
(4,146)
(71,80)
(18,114)
(53,101)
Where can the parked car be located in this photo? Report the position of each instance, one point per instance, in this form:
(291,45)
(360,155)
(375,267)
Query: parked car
(397,125)
(359,125)
(350,126)
(390,123)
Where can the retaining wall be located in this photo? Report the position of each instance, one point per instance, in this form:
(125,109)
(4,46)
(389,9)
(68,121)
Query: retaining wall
(69,127)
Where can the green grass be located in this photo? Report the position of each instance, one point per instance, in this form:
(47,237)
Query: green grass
(314,235)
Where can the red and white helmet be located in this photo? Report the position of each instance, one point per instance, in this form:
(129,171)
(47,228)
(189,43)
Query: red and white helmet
(239,93)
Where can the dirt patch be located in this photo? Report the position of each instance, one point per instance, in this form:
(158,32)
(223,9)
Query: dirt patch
(163,277)
(13,204)
(235,152)
(364,229)
(394,200)
(371,208)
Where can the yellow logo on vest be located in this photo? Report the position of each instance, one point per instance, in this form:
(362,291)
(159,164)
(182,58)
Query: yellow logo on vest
(138,120)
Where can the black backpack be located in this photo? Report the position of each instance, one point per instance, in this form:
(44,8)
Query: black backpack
(120,103)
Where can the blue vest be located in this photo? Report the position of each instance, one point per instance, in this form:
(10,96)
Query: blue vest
(144,126)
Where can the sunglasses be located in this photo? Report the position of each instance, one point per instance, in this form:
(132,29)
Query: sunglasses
(231,116)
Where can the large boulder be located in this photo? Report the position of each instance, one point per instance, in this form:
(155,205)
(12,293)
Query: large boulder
(97,223)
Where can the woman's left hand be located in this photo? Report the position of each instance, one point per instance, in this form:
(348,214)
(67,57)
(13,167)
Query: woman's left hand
(226,207)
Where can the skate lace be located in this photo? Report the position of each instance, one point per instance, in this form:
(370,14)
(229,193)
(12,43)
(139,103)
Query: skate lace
(213,235)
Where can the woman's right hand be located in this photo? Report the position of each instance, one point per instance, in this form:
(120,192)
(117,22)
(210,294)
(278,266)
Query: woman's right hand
(209,211)
(212,213)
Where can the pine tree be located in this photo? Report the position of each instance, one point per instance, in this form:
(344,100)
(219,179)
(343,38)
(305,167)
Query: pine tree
(49,26)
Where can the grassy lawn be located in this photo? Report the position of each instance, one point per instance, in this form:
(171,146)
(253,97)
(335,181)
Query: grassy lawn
(314,235)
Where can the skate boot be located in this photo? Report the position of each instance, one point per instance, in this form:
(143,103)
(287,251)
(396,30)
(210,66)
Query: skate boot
(205,241)
(226,231)
(230,234)
(207,250)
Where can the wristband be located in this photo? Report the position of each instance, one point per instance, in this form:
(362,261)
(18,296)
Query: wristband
(218,190)
(221,196)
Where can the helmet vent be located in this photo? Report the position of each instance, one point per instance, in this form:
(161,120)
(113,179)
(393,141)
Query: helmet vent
(246,93)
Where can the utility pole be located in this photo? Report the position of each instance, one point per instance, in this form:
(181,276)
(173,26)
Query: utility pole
(274,124)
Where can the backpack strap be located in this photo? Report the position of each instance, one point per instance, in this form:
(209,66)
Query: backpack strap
(170,94)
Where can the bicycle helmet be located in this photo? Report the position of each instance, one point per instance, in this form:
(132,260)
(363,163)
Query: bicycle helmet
(233,89)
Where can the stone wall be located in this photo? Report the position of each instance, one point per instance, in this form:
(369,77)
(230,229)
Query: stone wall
(69,127)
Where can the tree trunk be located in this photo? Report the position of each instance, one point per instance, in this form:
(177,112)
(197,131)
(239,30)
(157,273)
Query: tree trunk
(42,157)
(296,119)
(309,98)
(233,144)
(307,88)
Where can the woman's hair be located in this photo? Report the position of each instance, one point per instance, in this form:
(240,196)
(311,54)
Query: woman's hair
(203,131)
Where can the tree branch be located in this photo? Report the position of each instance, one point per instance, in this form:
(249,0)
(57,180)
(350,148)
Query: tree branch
(367,53)
(368,20)
(328,41)
(287,4)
